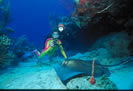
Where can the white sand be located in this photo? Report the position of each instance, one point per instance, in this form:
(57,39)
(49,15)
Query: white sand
(31,78)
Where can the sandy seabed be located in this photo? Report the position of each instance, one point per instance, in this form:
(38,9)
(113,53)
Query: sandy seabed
(28,75)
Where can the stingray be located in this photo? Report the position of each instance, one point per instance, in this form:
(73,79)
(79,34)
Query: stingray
(76,67)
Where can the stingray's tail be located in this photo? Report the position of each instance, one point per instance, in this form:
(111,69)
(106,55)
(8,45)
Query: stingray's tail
(92,80)
(123,61)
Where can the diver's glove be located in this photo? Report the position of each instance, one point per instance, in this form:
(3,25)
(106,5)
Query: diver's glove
(64,62)
(51,43)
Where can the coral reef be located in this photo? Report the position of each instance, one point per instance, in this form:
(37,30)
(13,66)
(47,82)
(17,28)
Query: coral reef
(5,41)
(6,56)
(116,44)
(22,46)
(94,19)
(83,83)
(4,15)
(86,9)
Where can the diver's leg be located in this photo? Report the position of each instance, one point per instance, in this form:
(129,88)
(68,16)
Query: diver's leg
(37,52)
(45,52)
(42,54)
(51,53)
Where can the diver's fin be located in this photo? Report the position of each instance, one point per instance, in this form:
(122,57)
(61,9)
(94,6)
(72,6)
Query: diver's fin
(28,54)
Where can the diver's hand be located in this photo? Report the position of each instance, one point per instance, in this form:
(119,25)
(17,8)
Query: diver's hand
(64,62)
(51,43)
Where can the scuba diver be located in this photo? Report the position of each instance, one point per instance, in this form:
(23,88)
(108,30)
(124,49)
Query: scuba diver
(51,45)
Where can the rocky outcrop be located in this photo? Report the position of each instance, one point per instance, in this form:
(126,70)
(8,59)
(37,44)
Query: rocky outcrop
(83,29)
(6,56)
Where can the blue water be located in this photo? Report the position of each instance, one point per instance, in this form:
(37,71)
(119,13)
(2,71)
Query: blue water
(31,18)
(25,71)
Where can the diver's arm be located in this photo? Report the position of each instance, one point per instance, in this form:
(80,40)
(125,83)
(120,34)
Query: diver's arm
(62,50)
(64,54)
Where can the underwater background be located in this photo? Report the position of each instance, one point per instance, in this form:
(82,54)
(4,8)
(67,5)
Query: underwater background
(31,18)
(94,49)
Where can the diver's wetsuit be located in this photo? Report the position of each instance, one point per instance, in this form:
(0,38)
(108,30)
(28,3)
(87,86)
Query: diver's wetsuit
(49,50)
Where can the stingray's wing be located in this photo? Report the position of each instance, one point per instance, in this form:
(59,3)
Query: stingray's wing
(78,67)
(65,73)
